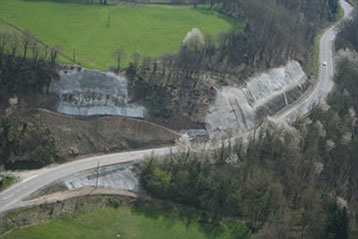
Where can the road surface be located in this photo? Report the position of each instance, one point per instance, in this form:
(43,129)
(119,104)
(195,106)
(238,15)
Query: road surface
(325,81)
(12,197)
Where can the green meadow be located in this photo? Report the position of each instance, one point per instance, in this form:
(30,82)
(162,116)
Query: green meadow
(127,223)
(151,30)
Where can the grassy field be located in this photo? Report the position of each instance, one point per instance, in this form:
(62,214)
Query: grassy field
(148,30)
(128,223)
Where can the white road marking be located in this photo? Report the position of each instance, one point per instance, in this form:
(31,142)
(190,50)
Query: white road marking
(5,198)
(29,178)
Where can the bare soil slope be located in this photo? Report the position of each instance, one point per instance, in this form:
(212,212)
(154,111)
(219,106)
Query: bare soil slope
(77,136)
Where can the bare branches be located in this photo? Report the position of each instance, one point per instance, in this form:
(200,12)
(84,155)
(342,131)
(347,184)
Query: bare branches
(25,65)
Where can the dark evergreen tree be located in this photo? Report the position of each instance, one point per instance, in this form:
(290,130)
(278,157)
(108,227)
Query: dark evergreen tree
(337,223)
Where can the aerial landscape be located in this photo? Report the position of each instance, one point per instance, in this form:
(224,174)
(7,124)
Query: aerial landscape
(183,119)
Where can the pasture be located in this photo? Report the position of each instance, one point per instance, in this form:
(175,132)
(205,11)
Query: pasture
(91,33)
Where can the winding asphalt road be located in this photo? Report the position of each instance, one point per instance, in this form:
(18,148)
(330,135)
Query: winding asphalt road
(12,197)
(325,81)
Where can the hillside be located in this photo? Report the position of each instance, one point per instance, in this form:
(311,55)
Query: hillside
(55,138)
(273,178)
(294,181)
(275,32)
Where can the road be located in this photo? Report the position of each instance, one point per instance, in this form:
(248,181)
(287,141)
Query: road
(325,81)
(12,197)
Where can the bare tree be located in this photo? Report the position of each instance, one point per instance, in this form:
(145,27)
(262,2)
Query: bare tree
(26,41)
(14,45)
(136,59)
(3,37)
(53,55)
(119,55)
(35,52)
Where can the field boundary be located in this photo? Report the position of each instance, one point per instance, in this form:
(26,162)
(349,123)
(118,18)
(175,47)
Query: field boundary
(18,29)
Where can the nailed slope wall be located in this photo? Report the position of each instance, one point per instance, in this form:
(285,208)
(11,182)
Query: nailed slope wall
(237,108)
(88,92)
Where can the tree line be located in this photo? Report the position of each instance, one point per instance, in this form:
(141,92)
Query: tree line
(25,65)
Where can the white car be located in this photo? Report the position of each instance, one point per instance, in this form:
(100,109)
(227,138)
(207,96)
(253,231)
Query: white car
(324,63)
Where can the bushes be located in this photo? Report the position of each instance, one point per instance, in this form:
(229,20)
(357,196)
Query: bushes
(348,37)
(25,145)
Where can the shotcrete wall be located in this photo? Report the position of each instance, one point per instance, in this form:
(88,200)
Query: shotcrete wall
(88,92)
(236,109)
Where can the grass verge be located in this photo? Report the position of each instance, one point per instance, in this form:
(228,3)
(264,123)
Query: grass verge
(129,222)
(7,182)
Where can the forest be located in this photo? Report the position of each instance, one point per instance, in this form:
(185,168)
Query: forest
(286,182)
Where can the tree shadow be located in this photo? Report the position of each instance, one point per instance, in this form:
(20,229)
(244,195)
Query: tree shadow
(235,23)
(212,226)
